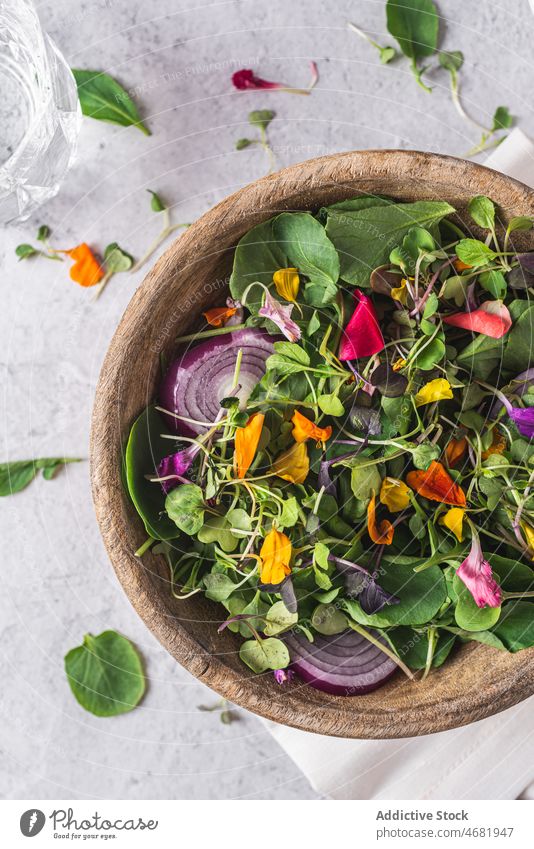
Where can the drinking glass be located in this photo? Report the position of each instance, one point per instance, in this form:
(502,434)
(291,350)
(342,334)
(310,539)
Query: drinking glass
(39,113)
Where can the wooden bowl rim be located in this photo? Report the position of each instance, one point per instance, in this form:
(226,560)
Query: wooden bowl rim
(328,716)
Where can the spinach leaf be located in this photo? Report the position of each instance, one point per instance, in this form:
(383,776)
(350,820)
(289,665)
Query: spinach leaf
(185,506)
(144,451)
(516,627)
(482,211)
(514,576)
(105,674)
(17,474)
(102,97)
(412,646)
(421,595)
(261,655)
(309,249)
(364,238)
(257,256)
(415,25)
(518,350)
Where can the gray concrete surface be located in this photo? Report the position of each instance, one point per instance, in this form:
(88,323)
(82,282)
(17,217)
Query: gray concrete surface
(57,583)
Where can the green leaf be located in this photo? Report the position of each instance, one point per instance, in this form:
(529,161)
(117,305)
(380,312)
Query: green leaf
(412,646)
(239,521)
(516,627)
(185,506)
(309,249)
(502,120)
(431,306)
(276,362)
(261,118)
(279,619)
(257,256)
(521,223)
(331,405)
(474,252)
(265,654)
(487,638)
(495,283)
(482,211)
(105,674)
(415,25)
(364,238)
(292,351)
(424,455)
(518,340)
(321,553)
(241,144)
(421,595)
(156,203)
(314,324)
(103,98)
(116,259)
(290,513)
(468,615)
(216,529)
(25,251)
(17,474)
(451,60)
(327,619)
(218,586)
(386,54)
(43,233)
(144,451)
(364,480)
(430,354)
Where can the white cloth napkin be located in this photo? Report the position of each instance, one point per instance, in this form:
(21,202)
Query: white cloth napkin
(490,759)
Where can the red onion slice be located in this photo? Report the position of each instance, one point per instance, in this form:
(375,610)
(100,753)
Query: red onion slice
(345,664)
(197,380)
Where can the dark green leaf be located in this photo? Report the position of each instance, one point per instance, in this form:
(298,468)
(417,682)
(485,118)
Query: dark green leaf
(494,282)
(103,98)
(24,251)
(451,60)
(156,202)
(261,118)
(257,257)
(412,646)
(105,674)
(309,249)
(241,144)
(415,25)
(16,475)
(502,120)
(516,626)
(43,233)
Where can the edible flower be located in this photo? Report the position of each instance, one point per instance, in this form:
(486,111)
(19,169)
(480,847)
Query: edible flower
(435,390)
(529,536)
(218,316)
(281,316)
(455,450)
(86,270)
(362,336)
(453,519)
(293,465)
(522,417)
(283,676)
(304,429)
(381,534)
(460,266)
(498,444)
(286,281)
(436,485)
(492,318)
(275,555)
(400,293)
(477,575)
(246,443)
(175,466)
(398,364)
(394,494)
(246,80)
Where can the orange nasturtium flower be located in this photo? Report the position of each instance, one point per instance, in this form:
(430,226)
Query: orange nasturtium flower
(218,316)
(497,446)
(286,281)
(304,429)
(275,555)
(382,534)
(437,485)
(293,465)
(86,270)
(246,443)
(455,450)
(453,519)
(460,266)
(394,494)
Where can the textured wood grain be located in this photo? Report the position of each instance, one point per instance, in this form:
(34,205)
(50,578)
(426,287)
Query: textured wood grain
(191,276)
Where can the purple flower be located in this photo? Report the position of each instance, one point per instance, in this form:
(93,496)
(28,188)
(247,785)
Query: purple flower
(174,467)
(477,575)
(522,417)
(283,676)
(281,316)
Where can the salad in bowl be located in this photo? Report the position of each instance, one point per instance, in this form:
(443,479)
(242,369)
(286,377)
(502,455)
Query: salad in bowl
(340,456)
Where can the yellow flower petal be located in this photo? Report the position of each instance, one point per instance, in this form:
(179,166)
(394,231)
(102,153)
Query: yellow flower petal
(293,465)
(286,281)
(529,536)
(246,443)
(275,555)
(394,494)
(400,293)
(398,364)
(453,520)
(434,390)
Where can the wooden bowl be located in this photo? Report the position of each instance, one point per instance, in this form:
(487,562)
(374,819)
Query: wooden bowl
(191,276)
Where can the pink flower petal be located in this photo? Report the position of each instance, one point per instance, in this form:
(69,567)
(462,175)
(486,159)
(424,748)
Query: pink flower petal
(315,75)
(246,79)
(491,318)
(477,575)
(362,336)
(281,316)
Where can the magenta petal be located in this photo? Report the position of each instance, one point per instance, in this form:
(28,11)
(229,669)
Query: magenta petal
(176,465)
(492,318)
(523,418)
(477,575)
(362,336)
(246,80)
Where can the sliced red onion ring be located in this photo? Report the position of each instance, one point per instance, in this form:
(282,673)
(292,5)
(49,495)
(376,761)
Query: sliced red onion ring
(200,378)
(345,664)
